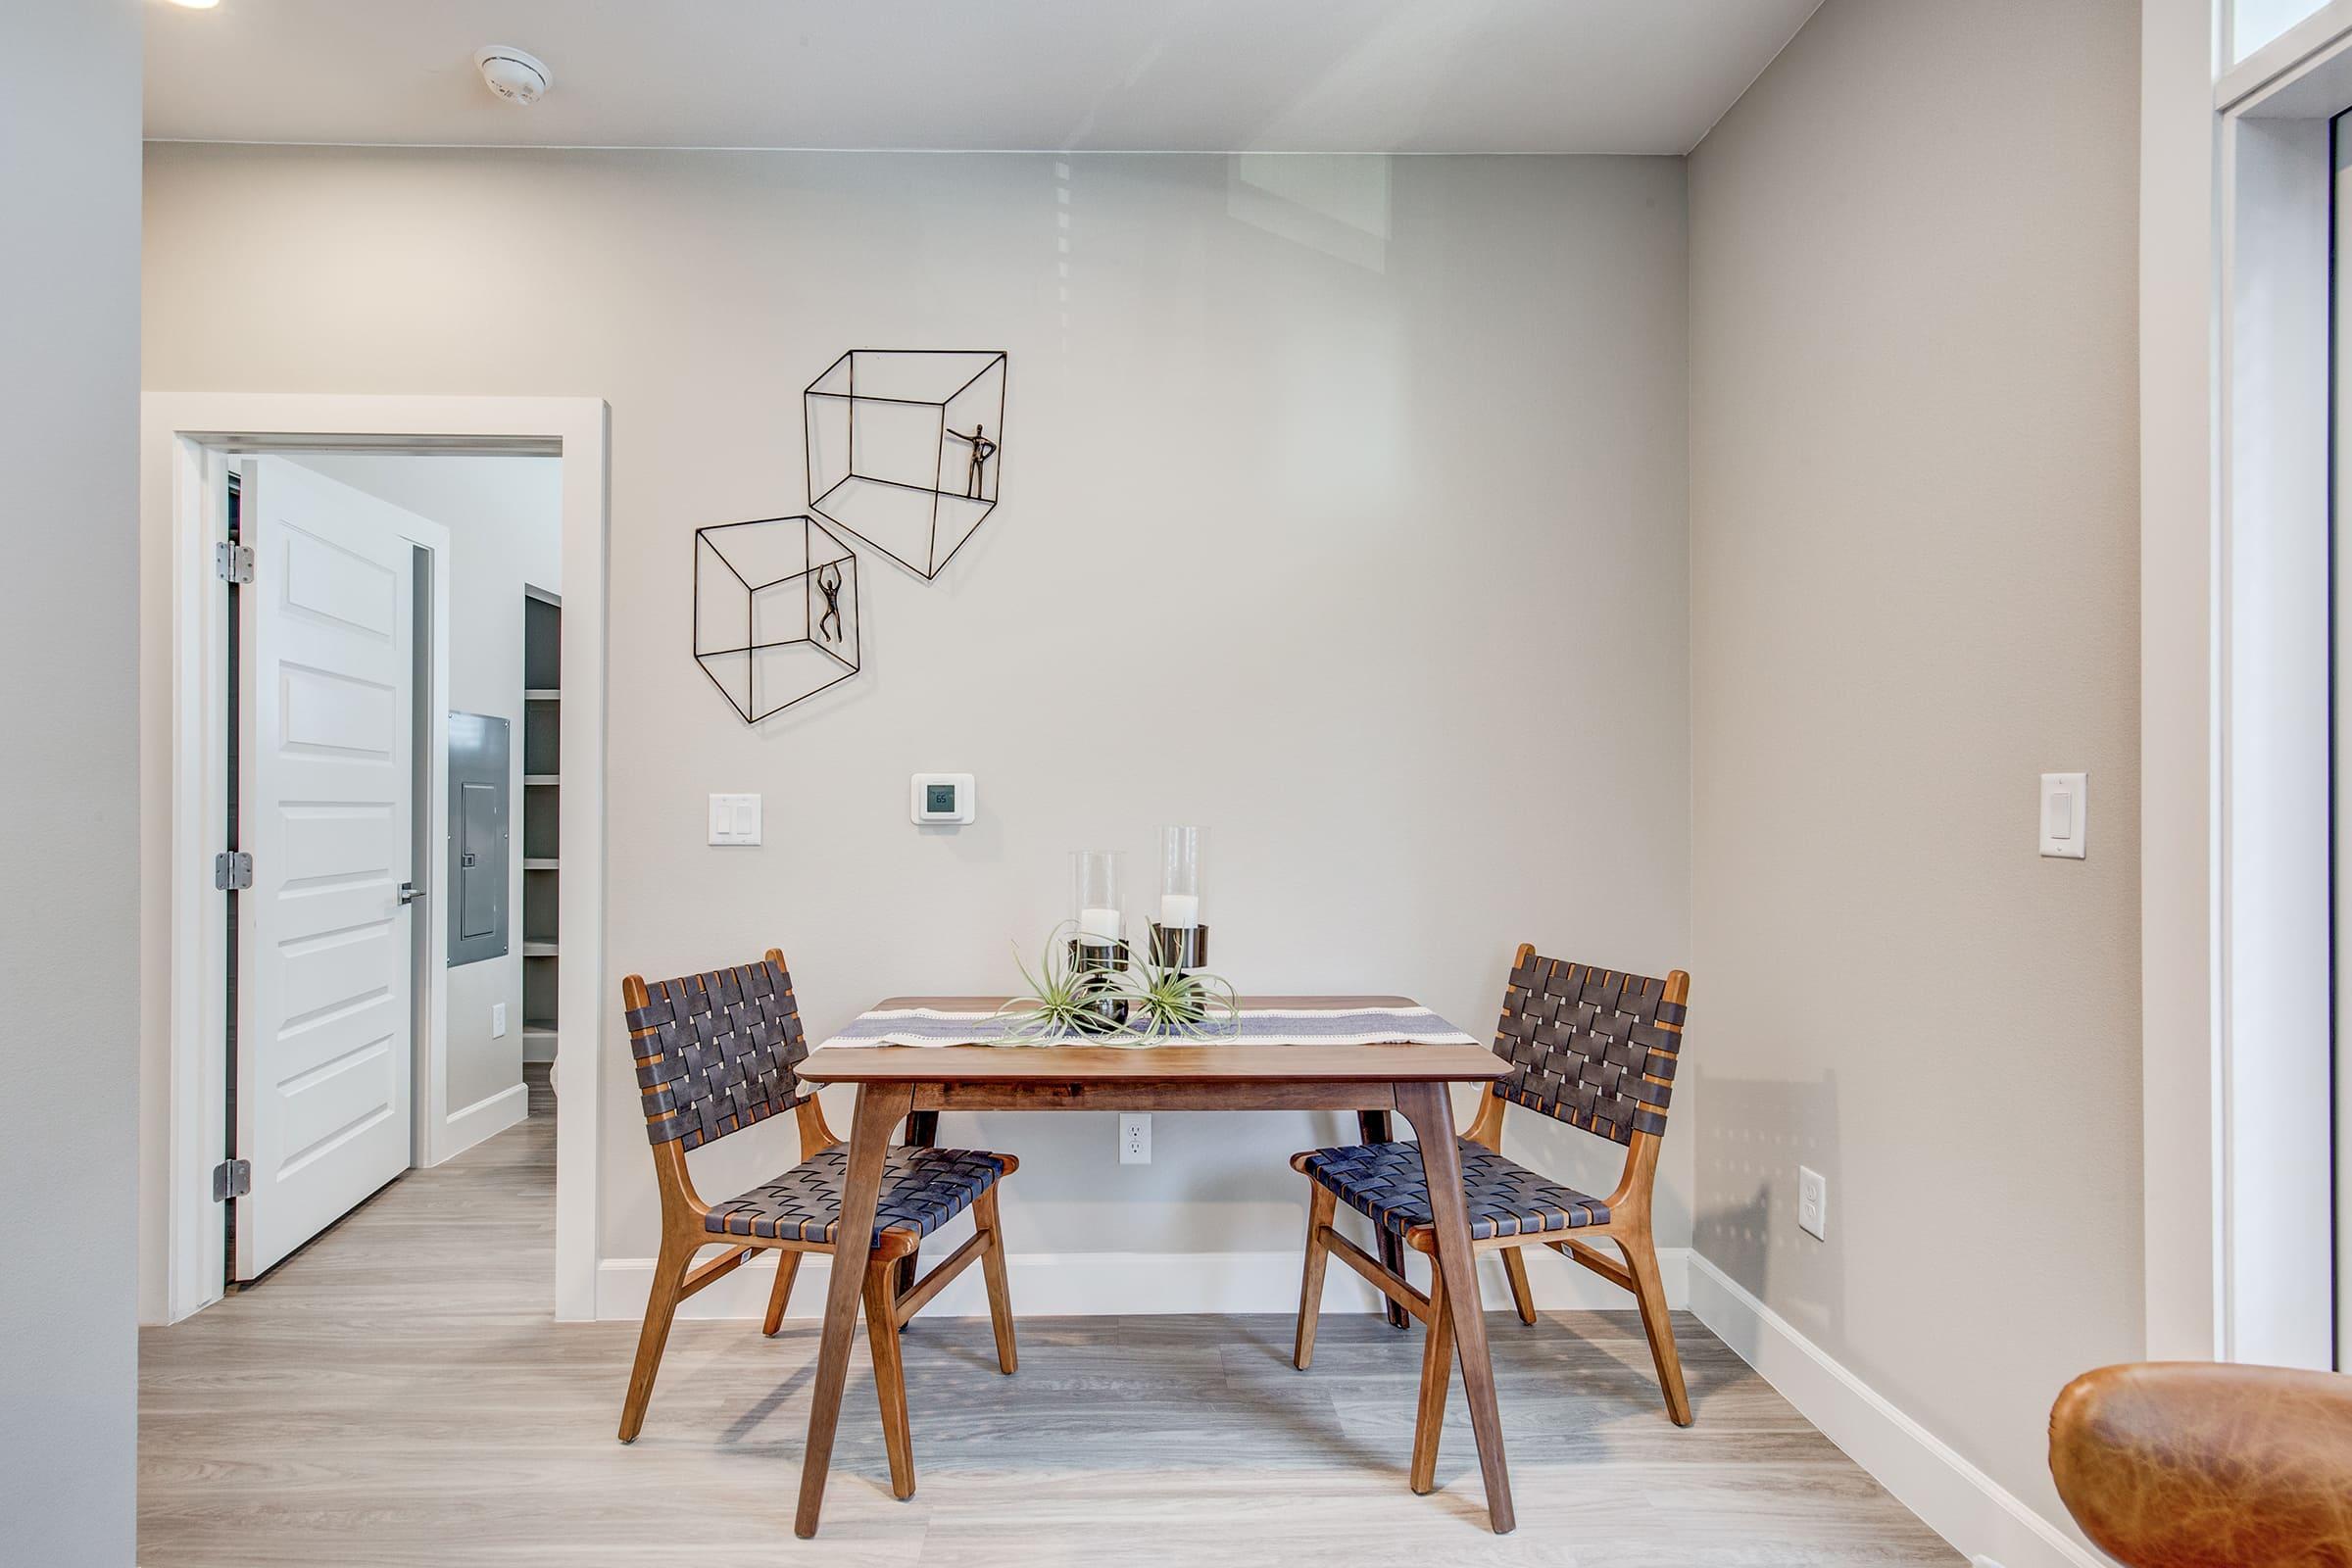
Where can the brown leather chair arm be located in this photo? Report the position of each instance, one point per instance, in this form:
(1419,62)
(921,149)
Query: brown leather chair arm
(2188,1464)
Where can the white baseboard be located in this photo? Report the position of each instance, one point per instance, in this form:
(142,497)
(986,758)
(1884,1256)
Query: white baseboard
(1101,1284)
(494,1115)
(1952,1496)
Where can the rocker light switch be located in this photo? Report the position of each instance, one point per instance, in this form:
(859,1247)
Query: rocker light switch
(2065,815)
(734,819)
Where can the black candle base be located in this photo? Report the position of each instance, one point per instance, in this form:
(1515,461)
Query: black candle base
(1106,958)
(1181,947)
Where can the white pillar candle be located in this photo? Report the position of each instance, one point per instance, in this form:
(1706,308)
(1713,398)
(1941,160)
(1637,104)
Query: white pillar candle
(1098,925)
(1179,910)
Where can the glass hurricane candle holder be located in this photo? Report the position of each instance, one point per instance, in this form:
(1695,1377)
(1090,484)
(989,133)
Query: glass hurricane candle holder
(1097,917)
(1179,937)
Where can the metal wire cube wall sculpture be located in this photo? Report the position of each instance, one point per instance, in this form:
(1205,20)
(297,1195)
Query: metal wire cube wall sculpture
(776,611)
(904,447)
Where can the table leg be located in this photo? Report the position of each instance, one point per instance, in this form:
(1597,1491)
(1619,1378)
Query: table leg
(1431,1112)
(1373,1127)
(922,1132)
(870,1125)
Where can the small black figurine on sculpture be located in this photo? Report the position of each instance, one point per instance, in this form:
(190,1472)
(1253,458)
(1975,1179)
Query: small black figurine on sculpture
(828,583)
(983,449)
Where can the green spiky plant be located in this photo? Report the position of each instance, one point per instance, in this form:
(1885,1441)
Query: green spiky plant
(1166,1004)
(1060,1000)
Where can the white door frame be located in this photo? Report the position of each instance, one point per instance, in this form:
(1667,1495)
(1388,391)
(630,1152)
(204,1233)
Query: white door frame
(183,772)
(2276,180)
(2235,198)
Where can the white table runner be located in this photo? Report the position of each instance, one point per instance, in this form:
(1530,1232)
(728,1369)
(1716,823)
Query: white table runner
(1253,1026)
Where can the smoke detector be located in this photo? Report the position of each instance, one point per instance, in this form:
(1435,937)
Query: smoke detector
(516,76)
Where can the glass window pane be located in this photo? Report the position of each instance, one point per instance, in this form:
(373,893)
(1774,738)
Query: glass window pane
(2255,22)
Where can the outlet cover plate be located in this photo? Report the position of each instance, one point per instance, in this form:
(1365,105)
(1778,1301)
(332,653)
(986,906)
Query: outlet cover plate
(1135,1138)
(1812,1204)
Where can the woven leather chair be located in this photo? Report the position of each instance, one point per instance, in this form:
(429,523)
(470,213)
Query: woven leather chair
(1593,1048)
(2194,1464)
(715,1053)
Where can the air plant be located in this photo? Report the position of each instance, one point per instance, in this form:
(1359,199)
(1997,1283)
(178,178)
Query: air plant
(1167,1003)
(1161,1002)
(1063,997)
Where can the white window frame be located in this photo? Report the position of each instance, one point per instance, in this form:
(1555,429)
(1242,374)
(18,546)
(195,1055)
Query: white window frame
(2236,186)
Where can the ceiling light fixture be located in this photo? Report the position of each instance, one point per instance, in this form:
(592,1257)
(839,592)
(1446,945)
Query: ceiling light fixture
(196,5)
(516,76)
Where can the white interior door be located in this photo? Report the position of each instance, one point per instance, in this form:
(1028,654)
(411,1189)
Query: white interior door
(325,783)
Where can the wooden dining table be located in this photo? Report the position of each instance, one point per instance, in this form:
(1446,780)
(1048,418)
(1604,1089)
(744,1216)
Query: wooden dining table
(896,1081)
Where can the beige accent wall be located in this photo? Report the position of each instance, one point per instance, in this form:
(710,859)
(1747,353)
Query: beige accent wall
(1342,512)
(1914,588)
(68,778)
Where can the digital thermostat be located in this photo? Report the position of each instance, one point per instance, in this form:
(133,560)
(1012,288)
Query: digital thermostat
(944,798)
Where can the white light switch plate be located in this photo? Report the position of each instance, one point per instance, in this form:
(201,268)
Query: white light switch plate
(498,1020)
(734,819)
(2065,815)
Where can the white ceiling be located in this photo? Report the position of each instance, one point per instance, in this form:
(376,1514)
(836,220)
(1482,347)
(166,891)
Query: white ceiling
(1301,75)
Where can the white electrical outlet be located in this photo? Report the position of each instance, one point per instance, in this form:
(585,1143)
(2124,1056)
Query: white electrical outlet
(498,1020)
(1135,1138)
(1812,1203)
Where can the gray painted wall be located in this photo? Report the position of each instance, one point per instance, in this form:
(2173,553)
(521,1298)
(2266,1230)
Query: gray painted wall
(68,774)
(1914,588)
(1386,458)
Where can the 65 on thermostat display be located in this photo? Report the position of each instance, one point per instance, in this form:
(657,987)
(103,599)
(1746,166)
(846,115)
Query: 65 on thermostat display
(937,798)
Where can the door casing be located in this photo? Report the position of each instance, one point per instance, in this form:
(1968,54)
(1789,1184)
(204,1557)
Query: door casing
(183,707)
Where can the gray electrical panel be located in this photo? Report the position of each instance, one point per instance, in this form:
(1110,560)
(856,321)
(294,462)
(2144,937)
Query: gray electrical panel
(479,783)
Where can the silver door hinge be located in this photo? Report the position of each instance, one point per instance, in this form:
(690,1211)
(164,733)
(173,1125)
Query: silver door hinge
(232,562)
(231,1178)
(232,869)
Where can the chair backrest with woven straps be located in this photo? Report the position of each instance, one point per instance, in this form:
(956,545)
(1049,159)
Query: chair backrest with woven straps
(715,1053)
(1596,1048)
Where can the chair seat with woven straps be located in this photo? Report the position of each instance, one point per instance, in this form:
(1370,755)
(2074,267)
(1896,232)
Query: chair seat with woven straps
(922,1189)
(1596,1048)
(1384,1182)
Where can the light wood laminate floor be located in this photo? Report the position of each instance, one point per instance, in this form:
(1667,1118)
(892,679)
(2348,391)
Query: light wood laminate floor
(399,1395)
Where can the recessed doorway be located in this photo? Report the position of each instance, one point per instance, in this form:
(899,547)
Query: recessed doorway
(333,1018)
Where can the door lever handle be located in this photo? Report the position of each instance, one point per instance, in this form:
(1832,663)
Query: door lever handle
(410,892)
